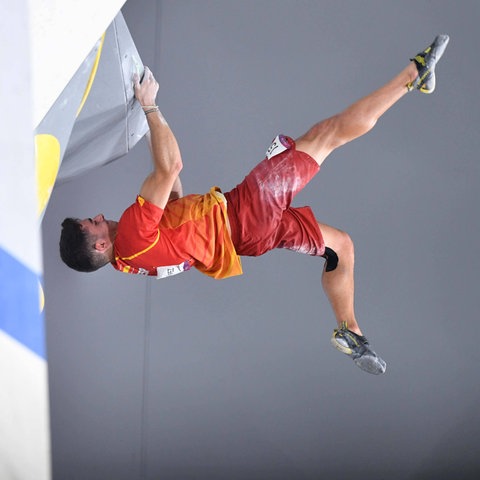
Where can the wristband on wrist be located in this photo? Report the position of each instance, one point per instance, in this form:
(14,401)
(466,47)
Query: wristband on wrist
(151,110)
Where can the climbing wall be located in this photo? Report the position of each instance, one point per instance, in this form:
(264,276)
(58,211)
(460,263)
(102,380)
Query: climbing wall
(70,108)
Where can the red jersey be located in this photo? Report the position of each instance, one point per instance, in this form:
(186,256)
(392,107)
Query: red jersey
(191,231)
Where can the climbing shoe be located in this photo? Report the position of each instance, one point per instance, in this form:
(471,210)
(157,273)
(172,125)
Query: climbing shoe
(426,62)
(358,348)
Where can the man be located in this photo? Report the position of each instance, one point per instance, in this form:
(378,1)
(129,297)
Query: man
(164,233)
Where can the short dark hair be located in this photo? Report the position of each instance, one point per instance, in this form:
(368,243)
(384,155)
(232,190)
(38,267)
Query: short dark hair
(76,248)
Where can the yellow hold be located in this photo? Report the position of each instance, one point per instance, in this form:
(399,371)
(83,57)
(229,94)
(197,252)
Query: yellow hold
(47,163)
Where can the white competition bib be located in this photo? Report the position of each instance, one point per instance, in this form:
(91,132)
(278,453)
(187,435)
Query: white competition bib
(169,271)
(279,145)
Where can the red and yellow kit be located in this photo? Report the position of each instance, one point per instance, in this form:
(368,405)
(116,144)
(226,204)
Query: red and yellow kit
(192,231)
(201,231)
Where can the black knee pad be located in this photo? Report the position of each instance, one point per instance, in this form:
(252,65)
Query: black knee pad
(332,259)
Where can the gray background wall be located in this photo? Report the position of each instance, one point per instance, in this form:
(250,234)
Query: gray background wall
(193,378)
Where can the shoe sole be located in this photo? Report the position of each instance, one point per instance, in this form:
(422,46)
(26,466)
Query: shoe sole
(370,364)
